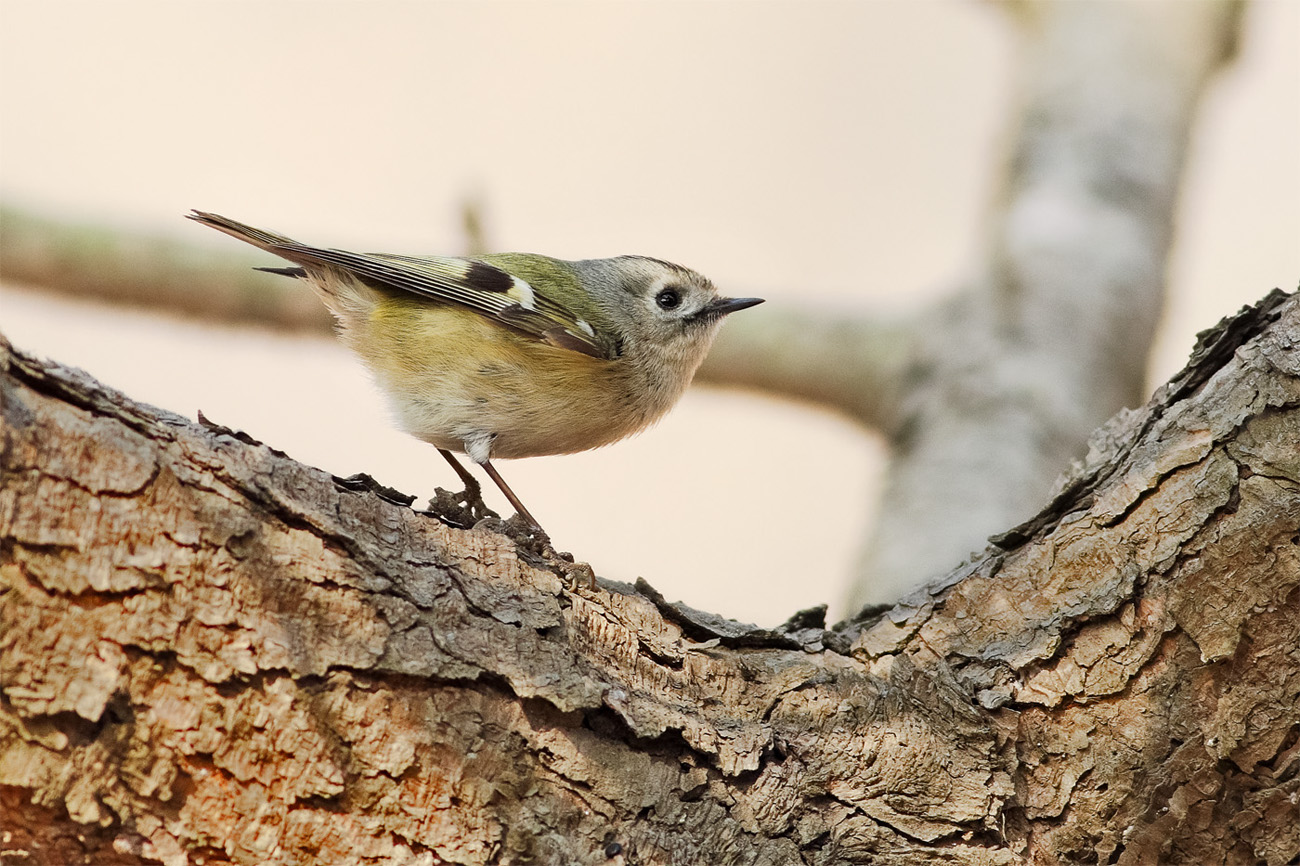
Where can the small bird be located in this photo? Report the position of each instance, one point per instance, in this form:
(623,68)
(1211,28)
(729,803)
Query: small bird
(512,354)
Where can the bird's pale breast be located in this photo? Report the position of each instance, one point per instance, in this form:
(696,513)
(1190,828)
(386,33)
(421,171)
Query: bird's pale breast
(452,376)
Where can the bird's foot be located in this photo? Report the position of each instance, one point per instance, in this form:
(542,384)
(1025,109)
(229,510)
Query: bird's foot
(576,572)
(527,534)
(562,562)
(464,509)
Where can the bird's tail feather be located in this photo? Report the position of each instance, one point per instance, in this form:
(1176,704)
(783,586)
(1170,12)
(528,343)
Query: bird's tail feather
(299,273)
(269,241)
(335,281)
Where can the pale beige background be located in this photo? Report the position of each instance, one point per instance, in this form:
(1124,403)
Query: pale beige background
(836,152)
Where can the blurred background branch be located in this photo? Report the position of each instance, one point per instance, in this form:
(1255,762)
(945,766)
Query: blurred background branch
(157,273)
(1052,334)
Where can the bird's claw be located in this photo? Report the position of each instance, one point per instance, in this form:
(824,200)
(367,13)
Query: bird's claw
(464,509)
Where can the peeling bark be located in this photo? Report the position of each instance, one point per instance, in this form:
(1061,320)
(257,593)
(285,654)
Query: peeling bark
(210,653)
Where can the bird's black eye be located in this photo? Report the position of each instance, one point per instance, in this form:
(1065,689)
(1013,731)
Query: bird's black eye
(668,299)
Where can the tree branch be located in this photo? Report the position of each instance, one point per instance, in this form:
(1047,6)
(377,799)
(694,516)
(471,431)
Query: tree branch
(1051,336)
(210,651)
(852,363)
(155,272)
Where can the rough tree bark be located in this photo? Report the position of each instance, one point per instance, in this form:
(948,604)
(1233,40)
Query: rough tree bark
(212,654)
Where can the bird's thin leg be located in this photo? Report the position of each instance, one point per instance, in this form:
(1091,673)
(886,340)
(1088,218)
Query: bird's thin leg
(473,495)
(510,494)
(472,490)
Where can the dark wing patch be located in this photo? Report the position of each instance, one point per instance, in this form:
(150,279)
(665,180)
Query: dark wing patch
(486,278)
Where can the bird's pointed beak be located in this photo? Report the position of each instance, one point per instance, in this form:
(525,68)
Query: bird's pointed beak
(723,306)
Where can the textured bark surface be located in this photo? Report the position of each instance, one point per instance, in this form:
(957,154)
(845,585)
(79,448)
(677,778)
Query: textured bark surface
(210,653)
